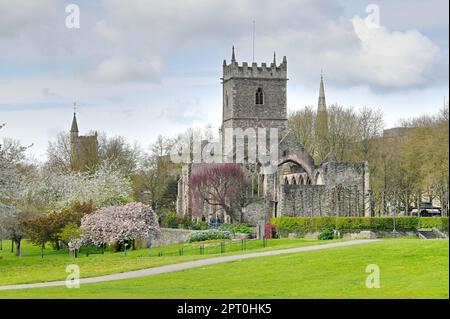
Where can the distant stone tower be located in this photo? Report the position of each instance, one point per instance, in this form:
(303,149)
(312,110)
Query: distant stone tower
(321,130)
(83,149)
(254,96)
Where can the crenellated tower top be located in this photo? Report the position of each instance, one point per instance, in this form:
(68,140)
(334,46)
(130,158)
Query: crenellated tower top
(253,70)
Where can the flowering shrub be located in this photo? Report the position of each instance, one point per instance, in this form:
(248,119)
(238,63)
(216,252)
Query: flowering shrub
(269,230)
(119,223)
(209,234)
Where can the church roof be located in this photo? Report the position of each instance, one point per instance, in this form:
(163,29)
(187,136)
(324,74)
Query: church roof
(74,127)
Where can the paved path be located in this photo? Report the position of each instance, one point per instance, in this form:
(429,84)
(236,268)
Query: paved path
(190,264)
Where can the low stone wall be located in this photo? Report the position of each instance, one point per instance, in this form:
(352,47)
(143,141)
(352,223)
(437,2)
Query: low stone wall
(168,236)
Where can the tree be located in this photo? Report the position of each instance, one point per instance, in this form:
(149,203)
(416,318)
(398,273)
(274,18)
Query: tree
(58,154)
(12,227)
(72,235)
(225,186)
(41,229)
(114,151)
(11,154)
(116,224)
(302,123)
(54,190)
(155,183)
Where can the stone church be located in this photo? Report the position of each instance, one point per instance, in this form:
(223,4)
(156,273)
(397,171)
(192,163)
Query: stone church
(83,148)
(254,96)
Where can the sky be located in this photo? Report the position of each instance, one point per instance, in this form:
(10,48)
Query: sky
(143,68)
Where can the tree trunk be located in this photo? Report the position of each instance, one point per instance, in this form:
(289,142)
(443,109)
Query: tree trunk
(42,249)
(12,245)
(18,247)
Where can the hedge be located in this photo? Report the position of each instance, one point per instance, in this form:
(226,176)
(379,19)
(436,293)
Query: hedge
(301,225)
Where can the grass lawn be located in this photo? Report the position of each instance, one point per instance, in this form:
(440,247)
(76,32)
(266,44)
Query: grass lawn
(31,268)
(409,268)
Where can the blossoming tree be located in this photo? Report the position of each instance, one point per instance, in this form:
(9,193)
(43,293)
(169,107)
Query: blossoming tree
(116,224)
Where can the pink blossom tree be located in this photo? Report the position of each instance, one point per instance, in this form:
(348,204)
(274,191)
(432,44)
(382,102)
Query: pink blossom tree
(116,224)
(226,186)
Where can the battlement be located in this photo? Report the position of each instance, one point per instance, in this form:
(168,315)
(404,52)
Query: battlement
(253,70)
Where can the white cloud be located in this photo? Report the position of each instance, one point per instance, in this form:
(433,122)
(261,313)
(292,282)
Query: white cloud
(114,70)
(394,59)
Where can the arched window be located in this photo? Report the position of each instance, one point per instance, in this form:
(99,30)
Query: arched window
(226,98)
(259,96)
(301,182)
(308,181)
(319,179)
(286,181)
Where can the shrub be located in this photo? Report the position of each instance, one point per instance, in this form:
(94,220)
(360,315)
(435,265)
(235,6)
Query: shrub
(210,234)
(327,234)
(302,225)
(269,231)
(440,223)
(202,225)
(173,220)
(237,228)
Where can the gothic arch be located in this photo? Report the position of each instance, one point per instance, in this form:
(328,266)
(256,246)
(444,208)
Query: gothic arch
(301,181)
(308,181)
(319,179)
(259,96)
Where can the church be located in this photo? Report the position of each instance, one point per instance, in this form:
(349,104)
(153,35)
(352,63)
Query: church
(254,96)
(83,148)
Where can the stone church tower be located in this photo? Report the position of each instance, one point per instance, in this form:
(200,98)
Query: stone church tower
(83,149)
(254,96)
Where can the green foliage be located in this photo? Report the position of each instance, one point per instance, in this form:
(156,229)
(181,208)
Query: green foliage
(209,234)
(327,234)
(70,232)
(440,223)
(237,228)
(302,225)
(173,220)
(202,225)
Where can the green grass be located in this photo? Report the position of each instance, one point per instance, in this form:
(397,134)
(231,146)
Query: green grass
(409,268)
(31,268)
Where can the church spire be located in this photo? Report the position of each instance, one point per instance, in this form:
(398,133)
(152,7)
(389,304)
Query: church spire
(274,59)
(74,128)
(322,124)
(322,104)
(233,57)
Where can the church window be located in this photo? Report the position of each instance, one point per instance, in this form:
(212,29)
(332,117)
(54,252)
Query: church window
(259,96)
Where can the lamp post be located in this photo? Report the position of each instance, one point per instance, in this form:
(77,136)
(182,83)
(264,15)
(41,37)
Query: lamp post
(125,246)
(394,231)
(149,243)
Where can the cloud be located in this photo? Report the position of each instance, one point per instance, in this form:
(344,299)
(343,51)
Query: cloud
(394,59)
(115,70)
(129,41)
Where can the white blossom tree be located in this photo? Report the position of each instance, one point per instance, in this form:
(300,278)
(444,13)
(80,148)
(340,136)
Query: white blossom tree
(55,190)
(11,154)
